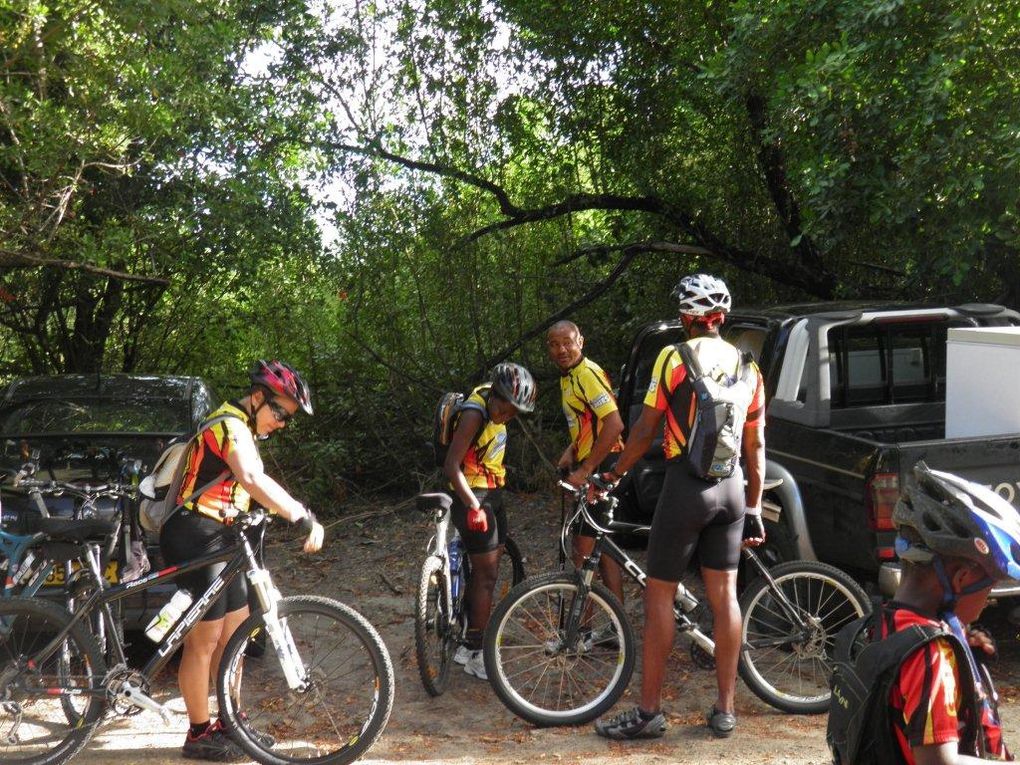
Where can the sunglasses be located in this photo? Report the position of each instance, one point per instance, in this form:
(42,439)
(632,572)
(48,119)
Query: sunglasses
(281,414)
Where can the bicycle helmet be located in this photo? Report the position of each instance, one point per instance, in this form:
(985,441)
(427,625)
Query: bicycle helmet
(515,383)
(702,295)
(953,517)
(283,380)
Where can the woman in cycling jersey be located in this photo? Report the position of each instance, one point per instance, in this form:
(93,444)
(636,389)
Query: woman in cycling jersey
(224,469)
(474,465)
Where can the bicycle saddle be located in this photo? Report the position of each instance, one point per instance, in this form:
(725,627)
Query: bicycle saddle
(64,530)
(434,501)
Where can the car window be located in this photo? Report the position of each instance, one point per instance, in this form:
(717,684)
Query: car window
(92,415)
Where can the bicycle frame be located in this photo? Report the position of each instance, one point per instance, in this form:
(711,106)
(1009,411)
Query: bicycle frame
(238,557)
(604,545)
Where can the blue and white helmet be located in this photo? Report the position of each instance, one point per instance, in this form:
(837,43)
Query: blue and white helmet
(952,517)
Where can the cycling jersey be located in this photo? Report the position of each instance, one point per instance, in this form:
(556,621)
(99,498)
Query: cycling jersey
(926,702)
(483,463)
(206,459)
(587,400)
(669,379)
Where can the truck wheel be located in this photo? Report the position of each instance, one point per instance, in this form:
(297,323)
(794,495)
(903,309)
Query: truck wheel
(780,544)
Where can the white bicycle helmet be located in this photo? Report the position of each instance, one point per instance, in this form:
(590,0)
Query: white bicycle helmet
(702,294)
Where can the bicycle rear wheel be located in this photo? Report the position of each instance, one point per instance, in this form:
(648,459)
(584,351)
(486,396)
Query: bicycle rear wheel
(348,695)
(788,633)
(35,726)
(511,569)
(536,674)
(435,638)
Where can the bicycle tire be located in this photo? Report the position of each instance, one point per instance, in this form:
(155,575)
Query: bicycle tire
(513,553)
(343,711)
(783,666)
(526,660)
(26,626)
(434,638)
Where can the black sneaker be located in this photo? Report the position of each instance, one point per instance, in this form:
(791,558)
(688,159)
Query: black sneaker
(212,744)
(263,739)
(630,724)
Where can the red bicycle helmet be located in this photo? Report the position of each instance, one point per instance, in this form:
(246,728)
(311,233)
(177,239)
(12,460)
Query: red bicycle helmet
(284,380)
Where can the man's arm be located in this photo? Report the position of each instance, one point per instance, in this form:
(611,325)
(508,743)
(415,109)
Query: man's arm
(612,427)
(468,425)
(753,447)
(641,437)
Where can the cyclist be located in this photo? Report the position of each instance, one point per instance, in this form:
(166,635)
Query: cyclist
(474,466)
(228,449)
(955,540)
(595,425)
(711,518)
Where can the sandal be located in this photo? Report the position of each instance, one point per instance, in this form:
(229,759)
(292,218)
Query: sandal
(721,723)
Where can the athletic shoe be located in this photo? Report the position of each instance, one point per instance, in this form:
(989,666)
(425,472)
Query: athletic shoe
(476,665)
(721,723)
(630,724)
(212,744)
(462,654)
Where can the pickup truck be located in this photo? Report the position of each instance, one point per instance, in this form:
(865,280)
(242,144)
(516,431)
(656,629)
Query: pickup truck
(855,397)
(86,429)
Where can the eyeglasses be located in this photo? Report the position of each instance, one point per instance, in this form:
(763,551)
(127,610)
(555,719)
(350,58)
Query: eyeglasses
(281,414)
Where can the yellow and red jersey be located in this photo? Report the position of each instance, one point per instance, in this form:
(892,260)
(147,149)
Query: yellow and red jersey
(206,459)
(483,464)
(669,379)
(587,399)
(926,701)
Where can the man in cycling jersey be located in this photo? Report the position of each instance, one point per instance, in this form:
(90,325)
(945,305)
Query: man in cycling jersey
(474,466)
(955,540)
(224,465)
(713,518)
(594,424)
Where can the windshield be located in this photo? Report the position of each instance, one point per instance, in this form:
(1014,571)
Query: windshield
(94,415)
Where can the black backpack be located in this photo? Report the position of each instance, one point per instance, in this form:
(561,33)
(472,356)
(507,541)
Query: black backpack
(860,730)
(444,420)
(713,446)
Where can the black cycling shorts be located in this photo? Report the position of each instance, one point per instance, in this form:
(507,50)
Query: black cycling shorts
(187,535)
(491,502)
(696,515)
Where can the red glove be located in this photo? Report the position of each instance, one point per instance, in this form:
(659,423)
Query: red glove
(477,520)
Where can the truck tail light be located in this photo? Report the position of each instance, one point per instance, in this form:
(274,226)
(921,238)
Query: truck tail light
(882,492)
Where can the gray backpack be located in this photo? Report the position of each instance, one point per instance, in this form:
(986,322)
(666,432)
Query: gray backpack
(159,489)
(713,447)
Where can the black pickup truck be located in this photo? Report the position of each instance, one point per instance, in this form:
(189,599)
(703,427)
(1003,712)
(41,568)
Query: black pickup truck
(855,397)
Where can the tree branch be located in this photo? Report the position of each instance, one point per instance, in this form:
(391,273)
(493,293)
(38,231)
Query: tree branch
(12,259)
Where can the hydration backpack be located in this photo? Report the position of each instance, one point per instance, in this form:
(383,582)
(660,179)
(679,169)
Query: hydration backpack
(713,446)
(860,730)
(444,421)
(159,489)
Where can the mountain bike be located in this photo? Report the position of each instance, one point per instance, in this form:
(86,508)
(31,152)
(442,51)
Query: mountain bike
(323,693)
(560,650)
(440,618)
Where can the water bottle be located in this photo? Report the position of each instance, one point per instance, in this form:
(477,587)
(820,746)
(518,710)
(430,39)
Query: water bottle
(168,616)
(455,551)
(684,600)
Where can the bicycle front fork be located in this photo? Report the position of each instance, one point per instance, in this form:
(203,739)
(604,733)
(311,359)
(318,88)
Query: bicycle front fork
(279,634)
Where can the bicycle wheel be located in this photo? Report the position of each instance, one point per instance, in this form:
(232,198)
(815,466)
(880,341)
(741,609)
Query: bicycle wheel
(540,678)
(35,728)
(511,569)
(434,637)
(788,633)
(348,695)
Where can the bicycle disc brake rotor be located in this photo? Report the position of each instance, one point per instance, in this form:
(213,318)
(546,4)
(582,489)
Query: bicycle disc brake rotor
(813,647)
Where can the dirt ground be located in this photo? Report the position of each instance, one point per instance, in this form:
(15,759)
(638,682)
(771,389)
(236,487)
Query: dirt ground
(372,562)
